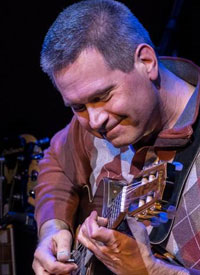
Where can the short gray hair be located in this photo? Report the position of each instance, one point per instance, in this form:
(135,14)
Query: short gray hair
(106,25)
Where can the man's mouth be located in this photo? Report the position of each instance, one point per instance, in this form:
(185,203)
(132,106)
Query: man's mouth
(104,132)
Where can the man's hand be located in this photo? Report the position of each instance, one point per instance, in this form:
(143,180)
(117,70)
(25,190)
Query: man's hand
(123,255)
(117,251)
(53,250)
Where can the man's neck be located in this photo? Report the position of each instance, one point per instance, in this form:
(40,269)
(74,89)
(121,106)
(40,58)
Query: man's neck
(174,94)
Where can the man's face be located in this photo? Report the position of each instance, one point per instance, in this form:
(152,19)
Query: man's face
(121,107)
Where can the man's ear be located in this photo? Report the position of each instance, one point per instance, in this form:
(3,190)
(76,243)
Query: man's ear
(145,59)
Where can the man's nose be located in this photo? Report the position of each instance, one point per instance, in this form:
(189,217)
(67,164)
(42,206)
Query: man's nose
(97,117)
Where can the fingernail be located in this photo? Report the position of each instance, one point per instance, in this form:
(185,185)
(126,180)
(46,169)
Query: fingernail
(63,253)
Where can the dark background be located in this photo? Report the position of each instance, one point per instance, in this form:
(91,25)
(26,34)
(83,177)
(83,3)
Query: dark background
(29,104)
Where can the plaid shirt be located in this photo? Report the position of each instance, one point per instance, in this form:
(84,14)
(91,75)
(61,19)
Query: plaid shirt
(184,240)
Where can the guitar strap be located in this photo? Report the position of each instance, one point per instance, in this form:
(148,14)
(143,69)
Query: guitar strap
(186,156)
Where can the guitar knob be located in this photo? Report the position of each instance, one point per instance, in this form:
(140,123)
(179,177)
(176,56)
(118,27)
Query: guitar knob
(158,205)
(156,220)
(163,217)
(170,210)
(153,212)
(143,216)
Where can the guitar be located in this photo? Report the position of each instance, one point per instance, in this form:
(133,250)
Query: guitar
(142,199)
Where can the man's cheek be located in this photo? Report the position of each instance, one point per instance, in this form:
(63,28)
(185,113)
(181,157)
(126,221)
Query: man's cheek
(83,120)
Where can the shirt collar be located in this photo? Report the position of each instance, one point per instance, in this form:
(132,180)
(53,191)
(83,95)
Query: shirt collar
(182,131)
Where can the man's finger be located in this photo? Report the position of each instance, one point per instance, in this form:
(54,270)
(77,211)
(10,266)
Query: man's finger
(38,269)
(94,229)
(63,256)
(48,262)
(85,240)
(102,221)
(63,242)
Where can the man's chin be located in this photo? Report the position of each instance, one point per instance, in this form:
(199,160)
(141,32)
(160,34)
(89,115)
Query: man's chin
(114,141)
(119,143)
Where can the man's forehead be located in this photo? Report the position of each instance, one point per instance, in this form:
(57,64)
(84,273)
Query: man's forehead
(88,55)
(89,68)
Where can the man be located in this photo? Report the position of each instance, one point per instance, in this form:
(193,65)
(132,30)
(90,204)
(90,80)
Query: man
(128,105)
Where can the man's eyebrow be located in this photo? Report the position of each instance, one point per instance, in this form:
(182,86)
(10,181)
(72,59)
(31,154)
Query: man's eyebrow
(97,93)
(100,92)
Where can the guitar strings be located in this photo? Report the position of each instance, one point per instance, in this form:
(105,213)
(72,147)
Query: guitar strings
(79,259)
(109,212)
(81,247)
(113,204)
(135,184)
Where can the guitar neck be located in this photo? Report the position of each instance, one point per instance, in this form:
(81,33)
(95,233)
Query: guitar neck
(115,212)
